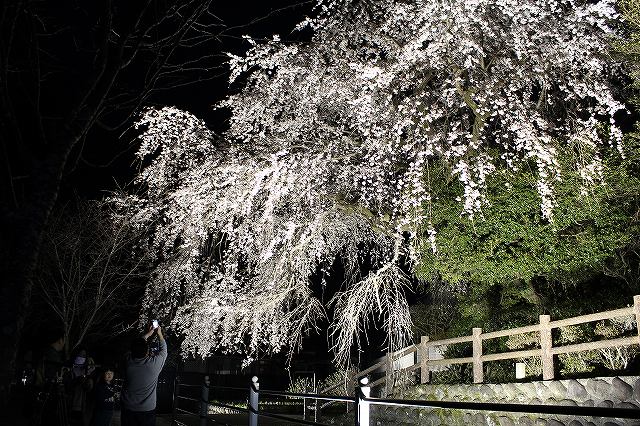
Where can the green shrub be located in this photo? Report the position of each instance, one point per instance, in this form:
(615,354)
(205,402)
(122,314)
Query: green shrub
(617,358)
(522,341)
(578,362)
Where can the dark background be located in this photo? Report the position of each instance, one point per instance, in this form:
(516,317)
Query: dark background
(108,162)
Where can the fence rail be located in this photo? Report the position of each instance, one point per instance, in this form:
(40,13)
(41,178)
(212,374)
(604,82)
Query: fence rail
(362,402)
(546,350)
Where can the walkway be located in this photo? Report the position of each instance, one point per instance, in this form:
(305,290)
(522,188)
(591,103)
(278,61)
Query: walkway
(161,420)
(217,419)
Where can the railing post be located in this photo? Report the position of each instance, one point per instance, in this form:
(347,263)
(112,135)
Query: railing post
(389,375)
(361,412)
(254,387)
(304,405)
(316,411)
(204,401)
(636,310)
(424,360)
(176,393)
(478,371)
(546,344)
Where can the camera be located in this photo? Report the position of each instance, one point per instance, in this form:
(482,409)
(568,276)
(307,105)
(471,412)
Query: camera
(155,323)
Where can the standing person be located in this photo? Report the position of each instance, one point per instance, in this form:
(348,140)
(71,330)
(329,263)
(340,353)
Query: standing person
(141,380)
(105,395)
(50,405)
(80,386)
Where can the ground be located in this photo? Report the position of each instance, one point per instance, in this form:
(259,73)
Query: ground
(166,420)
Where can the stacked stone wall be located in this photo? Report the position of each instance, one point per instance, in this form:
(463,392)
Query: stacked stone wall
(622,392)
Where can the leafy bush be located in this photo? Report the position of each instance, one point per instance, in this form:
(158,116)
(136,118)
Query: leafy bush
(456,373)
(617,358)
(503,371)
(577,362)
(340,382)
(453,374)
(533,365)
(301,385)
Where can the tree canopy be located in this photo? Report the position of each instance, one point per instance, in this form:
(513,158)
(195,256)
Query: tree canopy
(357,145)
(514,242)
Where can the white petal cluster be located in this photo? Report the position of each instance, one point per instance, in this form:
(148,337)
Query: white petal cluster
(328,150)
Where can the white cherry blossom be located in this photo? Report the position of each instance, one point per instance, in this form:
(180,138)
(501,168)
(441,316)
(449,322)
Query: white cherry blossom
(328,155)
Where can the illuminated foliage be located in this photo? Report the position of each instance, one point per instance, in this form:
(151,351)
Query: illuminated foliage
(334,149)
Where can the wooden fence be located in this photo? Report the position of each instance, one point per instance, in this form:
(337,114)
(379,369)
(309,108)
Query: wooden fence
(546,351)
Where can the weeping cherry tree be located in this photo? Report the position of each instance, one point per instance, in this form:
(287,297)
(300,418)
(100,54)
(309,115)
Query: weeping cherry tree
(328,156)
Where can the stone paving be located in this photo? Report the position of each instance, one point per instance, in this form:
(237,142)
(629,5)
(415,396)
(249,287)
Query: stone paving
(161,420)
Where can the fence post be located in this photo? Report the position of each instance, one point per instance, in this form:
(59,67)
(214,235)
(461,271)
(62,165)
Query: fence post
(478,370)
(389,375)
(204,401)
(424,360)
(176,393)
(546,344)
(254,387)
(316,411)
(361,412)
(636,310)
(304,405)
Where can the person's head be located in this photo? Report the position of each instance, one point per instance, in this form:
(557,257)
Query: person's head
(80,357)
(139,348)
(108,374)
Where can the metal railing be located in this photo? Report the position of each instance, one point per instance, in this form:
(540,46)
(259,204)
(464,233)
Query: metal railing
(363,401)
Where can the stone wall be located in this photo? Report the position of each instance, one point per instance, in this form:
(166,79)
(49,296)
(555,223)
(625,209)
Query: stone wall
(622,392)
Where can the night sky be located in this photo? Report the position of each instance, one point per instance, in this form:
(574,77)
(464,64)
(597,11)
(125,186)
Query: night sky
(107,160)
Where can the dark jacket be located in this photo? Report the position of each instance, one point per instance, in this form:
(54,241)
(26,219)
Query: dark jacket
(104,396)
